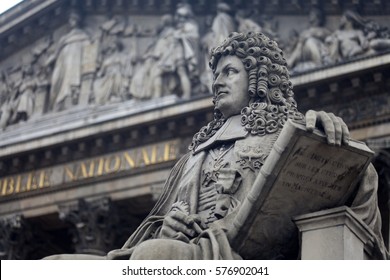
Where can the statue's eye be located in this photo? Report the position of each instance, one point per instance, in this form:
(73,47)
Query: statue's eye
(230,71)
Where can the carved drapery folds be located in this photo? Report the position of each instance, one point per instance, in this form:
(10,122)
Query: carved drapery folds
(67,69)
(93,225)
(382,165)
(170,63)
(354,37)
(309,50)
(97,62)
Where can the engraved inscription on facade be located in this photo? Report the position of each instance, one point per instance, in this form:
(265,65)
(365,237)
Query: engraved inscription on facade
(132,159)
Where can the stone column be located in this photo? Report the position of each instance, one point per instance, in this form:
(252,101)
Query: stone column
(14,235)
(93,222)
(334,234)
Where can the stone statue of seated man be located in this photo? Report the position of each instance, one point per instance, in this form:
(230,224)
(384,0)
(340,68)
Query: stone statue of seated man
(253,99)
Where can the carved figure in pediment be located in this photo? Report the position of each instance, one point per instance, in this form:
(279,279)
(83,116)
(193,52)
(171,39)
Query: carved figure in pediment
(5,92)
(13,78)
(42,72)
(357,36)
(67,60)
(158,59)
(24,100)
(186,49)
(310,50)
(4,88)
(246,23)
(111,30)
(378,36)
(219,28)
(170,63)
(223,23)
(349,40)
(113,61)
(110,78)
(206,45)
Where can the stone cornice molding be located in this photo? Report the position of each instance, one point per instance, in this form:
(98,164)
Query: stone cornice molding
(22,12)
(339,70)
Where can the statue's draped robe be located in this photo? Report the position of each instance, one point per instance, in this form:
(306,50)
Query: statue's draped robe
(68,66)
(185,182)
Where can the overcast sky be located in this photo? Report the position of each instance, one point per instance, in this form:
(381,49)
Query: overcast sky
(6,4)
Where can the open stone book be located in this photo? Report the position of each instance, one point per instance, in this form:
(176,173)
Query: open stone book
(302,174)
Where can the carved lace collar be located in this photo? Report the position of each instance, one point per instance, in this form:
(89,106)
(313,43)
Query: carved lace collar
(231,130)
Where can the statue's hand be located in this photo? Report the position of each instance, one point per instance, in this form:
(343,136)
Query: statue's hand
(178,225)
(334,127)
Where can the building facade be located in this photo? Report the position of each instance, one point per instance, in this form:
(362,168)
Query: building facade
(100,98)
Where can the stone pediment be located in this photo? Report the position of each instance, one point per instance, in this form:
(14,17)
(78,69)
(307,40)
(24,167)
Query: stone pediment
(126,50)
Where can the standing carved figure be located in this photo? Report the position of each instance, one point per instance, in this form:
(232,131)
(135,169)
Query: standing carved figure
(171,61)
(42,73)
(25,100)
(310,50)
(253,99)
(219,28)
(186,49)
(157,61)
(13,79)
(67,60)
(223,23)
(4,97)
(245,23)
(109,85)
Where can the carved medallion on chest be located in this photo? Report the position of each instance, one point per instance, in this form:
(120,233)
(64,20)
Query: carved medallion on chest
(252,151)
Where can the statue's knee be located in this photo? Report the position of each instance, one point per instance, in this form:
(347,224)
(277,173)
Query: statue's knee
(162,249)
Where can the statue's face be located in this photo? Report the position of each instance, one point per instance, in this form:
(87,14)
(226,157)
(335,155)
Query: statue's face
(230,86)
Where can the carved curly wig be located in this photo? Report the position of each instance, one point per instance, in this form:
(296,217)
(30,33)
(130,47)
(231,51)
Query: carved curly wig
(272,98)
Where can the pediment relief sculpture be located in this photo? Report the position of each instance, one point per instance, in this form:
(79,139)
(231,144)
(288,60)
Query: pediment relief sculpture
(121,59)
(356,37)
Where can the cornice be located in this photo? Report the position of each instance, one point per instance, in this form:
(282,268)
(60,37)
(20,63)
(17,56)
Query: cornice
(20,14)
(348,68)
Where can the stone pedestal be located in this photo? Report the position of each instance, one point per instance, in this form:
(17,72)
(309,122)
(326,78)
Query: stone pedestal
(334,234)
